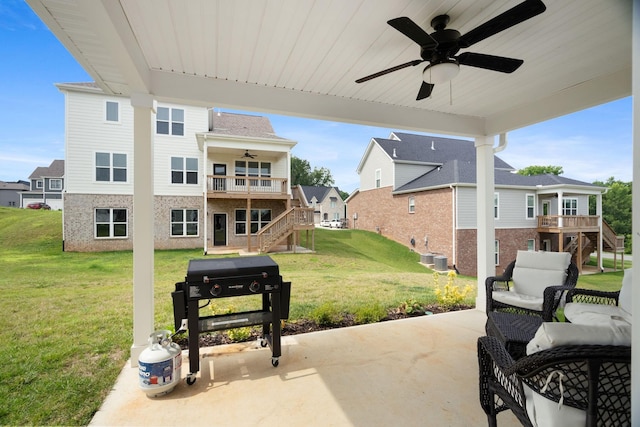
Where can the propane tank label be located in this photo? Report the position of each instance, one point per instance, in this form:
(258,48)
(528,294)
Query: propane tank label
(156,374)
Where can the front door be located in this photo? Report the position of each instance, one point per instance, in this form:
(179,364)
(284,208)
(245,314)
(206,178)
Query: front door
(220,229)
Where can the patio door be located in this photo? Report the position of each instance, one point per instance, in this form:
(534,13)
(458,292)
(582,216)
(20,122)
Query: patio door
(219,171)
(220,229)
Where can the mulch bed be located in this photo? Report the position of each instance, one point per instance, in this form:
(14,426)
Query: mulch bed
(302,326)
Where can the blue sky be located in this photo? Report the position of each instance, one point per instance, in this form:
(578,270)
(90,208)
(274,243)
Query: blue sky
(590,145)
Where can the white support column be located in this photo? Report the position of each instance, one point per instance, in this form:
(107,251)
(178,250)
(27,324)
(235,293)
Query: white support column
(635,209)
(143,220)
(600,238)
(485,226)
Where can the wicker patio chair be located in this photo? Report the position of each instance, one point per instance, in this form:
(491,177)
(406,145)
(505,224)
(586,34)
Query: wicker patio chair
(595,379)
(588,306)
(541,298)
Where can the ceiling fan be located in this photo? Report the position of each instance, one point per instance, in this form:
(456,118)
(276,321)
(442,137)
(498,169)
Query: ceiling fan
(247,155)
(440,47)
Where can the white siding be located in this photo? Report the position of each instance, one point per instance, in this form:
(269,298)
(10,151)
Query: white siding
(377,159)
(87,132)
(513,209)
(406,173)
(167,146)
(466,207)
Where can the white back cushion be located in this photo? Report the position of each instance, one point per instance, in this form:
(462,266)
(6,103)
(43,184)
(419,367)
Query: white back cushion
(624,301)
(534,271)
(553,334)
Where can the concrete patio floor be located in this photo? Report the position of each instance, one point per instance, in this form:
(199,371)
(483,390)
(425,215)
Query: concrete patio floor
(420,371)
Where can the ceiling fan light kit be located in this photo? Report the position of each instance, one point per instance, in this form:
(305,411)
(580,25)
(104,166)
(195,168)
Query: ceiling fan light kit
(440,48)
(441,72)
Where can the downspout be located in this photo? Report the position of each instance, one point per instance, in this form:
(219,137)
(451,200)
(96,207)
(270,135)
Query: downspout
(454,215)
(205,232)
(502,143)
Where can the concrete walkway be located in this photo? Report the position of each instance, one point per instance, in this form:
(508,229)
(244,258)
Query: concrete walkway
(414,372)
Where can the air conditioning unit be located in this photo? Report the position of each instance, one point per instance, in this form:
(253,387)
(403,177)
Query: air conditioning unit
(440,263)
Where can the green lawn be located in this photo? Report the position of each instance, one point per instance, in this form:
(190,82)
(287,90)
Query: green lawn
(67,322)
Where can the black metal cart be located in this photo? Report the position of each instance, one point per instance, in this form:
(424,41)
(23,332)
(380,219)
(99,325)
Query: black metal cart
(208,279)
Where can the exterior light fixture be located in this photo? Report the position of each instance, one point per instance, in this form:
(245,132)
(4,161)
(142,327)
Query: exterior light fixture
(441,72)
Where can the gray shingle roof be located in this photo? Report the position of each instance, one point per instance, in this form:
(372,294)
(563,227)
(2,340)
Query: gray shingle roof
(54,170)
(432,149)
(319,192)
(242,125)
(454,162)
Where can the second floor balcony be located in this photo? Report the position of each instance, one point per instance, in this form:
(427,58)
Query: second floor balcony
(567,223)
(241,187)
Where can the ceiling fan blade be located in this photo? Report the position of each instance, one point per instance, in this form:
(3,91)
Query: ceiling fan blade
(425,91)
(490,62)
(390,70)
(520,13)
(412,30)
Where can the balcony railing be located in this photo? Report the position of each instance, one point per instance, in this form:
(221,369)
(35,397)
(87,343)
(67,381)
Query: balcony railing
(568,221)
(228,185)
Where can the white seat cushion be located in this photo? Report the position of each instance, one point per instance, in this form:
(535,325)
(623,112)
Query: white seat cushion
(595,314)
(534,271)
(624,301)
(518,300)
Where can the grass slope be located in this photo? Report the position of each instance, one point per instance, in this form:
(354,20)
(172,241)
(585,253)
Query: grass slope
(66,327)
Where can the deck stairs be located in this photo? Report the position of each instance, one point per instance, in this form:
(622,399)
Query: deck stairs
(285,226)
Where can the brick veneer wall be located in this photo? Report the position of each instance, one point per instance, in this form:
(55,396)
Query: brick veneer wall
(380,211)
(511,241)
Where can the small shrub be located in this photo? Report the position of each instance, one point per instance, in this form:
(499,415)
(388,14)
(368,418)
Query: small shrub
(370,314)
(325,315)
(239,334)
(411,307)
(450,295)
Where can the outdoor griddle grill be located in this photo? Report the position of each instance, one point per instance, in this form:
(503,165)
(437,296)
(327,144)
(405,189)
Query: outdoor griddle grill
(209,279)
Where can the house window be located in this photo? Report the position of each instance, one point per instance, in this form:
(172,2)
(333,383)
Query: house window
(252,168)
(531,208)
(569,206)
(334,202)
(378,178)
(111,167)
(184,222)
(39,183)
(531,245)
(184,170)
(412,204)
(111,111)
(496,204)
(170,121)
(110,223)
(257,219)
(496,254)
(55,184)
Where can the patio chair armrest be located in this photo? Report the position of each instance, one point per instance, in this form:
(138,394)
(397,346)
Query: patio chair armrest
(497,376)
(491,281)
(552,297)
(591,296)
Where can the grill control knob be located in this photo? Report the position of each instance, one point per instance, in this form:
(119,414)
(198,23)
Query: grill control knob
(254,286)
(216,290)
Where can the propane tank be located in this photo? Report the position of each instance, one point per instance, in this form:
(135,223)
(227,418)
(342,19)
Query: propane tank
(160,364)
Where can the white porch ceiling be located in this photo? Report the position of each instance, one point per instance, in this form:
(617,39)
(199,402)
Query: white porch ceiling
(301,57)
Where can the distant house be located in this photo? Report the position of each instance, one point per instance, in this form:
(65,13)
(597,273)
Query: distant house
(46,184)
(421,191)
(221,180)
(10,193)
(326,202)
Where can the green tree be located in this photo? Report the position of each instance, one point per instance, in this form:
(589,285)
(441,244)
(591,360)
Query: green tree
(302,174)
(616,207)
(541,170)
